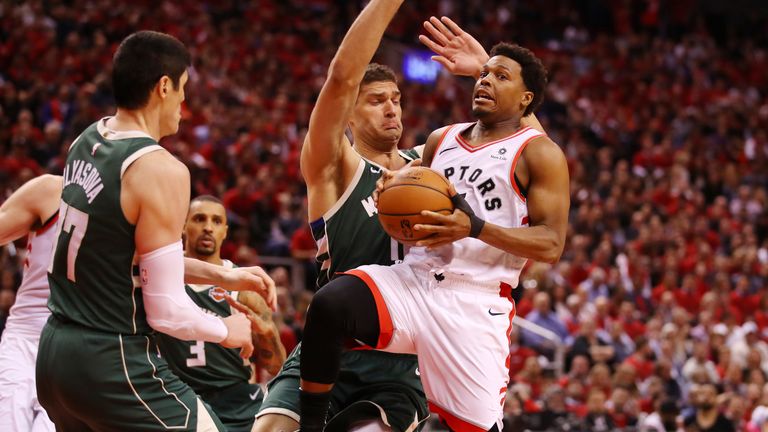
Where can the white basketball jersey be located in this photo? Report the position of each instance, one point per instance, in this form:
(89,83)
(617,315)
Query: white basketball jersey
(486,175)
(30,311)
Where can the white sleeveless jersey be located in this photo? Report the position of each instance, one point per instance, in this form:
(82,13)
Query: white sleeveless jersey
(30,311)
(486,175)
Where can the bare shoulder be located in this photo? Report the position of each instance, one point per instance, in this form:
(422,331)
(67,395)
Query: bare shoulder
(157,166)
(433,141)
(542,152)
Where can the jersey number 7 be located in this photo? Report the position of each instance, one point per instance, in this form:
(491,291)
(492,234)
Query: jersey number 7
(71,230)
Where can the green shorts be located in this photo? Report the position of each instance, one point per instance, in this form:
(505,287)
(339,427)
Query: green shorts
(236,405)
(371,384)
(92,380)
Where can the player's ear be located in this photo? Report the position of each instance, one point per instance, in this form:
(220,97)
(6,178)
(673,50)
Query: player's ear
(527,98)
(164,85)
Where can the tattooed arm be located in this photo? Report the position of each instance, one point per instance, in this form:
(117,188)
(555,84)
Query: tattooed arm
(269,352)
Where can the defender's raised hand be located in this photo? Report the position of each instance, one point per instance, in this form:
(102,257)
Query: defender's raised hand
(456,49)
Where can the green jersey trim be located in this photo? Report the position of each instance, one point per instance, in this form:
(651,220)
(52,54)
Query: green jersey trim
(113,135)
(135,156)
(347,192)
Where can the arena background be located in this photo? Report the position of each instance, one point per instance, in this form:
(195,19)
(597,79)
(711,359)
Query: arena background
(660,106)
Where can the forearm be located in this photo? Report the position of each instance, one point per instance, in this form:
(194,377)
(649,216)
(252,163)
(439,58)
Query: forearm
(270,352)
(539,243)
(362,40)
(168,307)
(201,272)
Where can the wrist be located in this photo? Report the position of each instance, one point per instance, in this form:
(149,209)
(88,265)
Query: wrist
(224,331)
(475,226)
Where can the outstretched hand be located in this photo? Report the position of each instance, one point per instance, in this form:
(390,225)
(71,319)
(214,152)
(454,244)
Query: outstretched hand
(386,176)
(459,52)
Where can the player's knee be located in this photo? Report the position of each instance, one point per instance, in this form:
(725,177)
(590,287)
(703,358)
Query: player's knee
(332,303)
(325,307)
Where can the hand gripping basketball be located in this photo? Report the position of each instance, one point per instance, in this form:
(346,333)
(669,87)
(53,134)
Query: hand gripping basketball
(406,194)
(444,229)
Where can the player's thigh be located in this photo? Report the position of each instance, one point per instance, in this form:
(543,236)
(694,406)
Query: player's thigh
(129,387)
(393,289)
(280,407)
(463,350)
(275,423)
(236,405)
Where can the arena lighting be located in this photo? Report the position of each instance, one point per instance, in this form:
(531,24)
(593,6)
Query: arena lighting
(419,67)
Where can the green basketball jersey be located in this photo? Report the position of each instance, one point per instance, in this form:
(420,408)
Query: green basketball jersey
(349,234)
(203,365)
(90,274)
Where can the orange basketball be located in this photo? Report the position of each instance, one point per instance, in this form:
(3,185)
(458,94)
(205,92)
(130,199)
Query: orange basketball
(410,191)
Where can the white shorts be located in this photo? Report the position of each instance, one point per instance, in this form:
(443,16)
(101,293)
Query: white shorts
(460,331)
(19,408)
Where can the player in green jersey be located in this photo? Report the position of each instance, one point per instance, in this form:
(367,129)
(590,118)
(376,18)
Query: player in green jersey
(375,391)
(124,200)
(217,374)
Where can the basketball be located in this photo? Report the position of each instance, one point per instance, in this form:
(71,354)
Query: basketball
(406,195)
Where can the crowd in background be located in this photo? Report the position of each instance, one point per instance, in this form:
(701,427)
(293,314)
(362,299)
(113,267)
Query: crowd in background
(661,296)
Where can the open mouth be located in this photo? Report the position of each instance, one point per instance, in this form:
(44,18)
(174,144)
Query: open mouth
(483,95)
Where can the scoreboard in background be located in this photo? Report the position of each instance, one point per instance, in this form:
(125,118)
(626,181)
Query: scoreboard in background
(418,66)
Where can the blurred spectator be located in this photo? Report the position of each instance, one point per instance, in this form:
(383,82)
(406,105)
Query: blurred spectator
(663,418)
(707,417)
(544,316)
(597,419)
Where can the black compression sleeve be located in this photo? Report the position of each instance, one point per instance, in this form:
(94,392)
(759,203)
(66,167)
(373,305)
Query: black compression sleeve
(343,309)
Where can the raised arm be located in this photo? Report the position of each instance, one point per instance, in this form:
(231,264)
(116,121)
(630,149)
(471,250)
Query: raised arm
(325,146)
(29,206)
(461,54)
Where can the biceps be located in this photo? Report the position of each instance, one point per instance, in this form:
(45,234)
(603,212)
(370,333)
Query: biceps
(14,223)
(548,206)
(159,225)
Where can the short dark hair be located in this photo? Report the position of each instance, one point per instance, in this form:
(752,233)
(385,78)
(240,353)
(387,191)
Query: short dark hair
(375,72)
(532,70)
(206,198)
(140,61)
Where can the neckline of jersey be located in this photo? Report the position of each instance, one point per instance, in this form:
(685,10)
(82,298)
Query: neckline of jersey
(460,139)
(101,126)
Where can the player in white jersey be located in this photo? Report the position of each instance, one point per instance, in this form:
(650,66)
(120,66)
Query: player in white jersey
(449,301)
(32,210)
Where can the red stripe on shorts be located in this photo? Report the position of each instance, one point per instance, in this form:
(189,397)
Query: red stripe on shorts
(386,329)
(456,424)
(505,290)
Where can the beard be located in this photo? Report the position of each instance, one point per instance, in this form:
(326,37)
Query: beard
(706,406)
(204,251)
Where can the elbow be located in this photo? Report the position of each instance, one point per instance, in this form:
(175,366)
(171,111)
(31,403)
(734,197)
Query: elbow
(160,325)
(341,74)
(551,255)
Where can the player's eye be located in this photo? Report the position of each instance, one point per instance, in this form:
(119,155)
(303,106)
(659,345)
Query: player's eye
(483,74)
